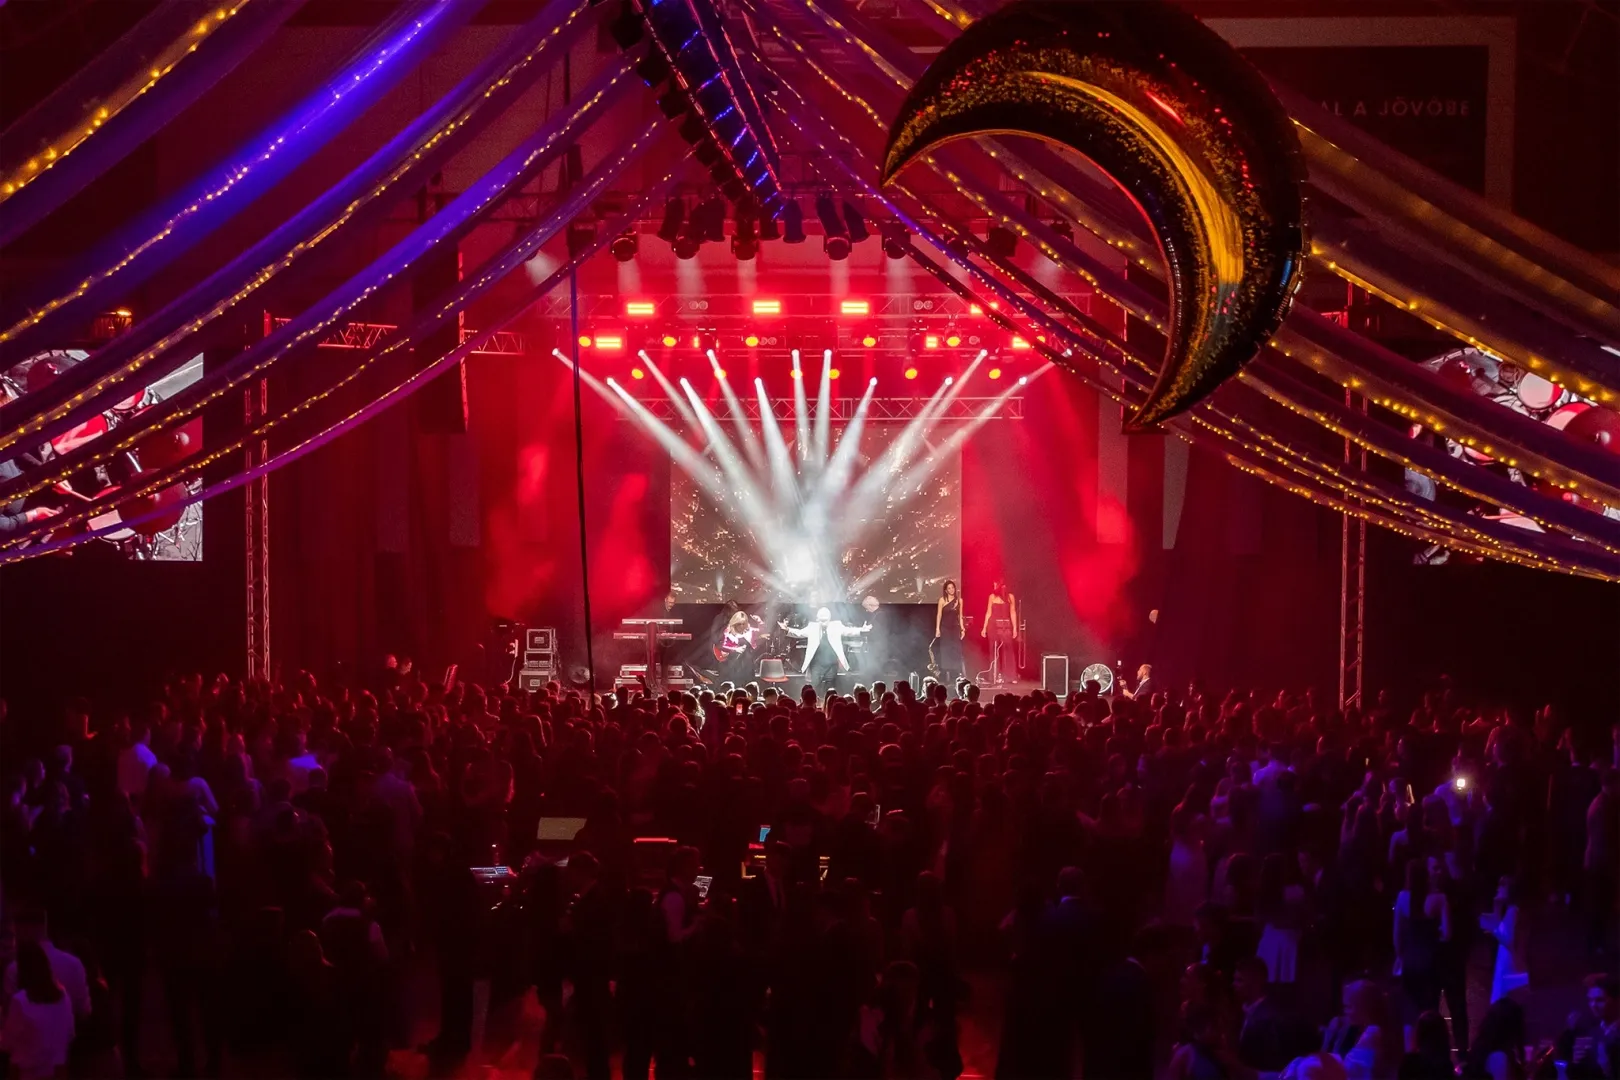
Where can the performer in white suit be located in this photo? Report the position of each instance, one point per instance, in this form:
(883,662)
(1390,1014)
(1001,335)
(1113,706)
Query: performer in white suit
(822,665)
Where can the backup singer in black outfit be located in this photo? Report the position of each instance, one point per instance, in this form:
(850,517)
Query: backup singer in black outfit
(950,627)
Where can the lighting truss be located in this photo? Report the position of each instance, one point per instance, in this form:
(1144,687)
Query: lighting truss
(960,409)
(359,335)
(935,305)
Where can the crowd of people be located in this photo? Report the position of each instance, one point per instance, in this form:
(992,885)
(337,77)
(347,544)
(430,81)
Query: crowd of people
(1184,884)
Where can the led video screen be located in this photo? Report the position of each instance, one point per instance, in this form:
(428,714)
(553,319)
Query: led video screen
(174,535)
(881,516)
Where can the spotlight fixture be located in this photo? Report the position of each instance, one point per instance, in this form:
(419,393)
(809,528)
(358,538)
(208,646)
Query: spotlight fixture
(768,229)
(896,240)
(668,341)
(693,131)
(581,235)
(745,240)
(673,102)
(687,245)
(637,373)
(767,307)
(792,222)
(653,68)
(626,27)
(713,215)
(835,241)
(640,309)
(911,373)
(1001,241)
(869,340)
(625,245)
(674,215)
(856,223)
(855,307)
(833,373)
(995,373)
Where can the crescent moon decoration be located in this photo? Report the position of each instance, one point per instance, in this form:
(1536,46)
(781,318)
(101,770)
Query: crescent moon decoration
(1175,117)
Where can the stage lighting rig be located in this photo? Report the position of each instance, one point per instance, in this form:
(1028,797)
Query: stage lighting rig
(1001,241)
(835,240)
(673,102)
(745,239)
(674,216)
(768,229)
(855,223)
(653,68)
(792,222)
(581,235)
(627,28)
(712,214)
(625,246)
(896,240)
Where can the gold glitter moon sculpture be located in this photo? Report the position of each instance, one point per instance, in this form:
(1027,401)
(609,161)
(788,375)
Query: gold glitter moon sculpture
(1178,120)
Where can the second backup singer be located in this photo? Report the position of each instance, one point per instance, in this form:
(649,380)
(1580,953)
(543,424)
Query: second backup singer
(1001,630)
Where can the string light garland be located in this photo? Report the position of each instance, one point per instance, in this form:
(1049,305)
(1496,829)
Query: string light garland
(100,112)
(223,184)
(579,198)
(310,327)
(38,425)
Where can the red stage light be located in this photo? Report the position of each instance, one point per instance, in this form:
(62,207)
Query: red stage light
(931,341)
(696,341)
(854,307)
(752,341)
(1019,343)
(975,309)
(610,342)
(953,339)
(832,374)
(640,308)
(584,341)
(767,307)
(869,340)
(911,373)
(720,372)
(669,341)
(637,373)
(995,373)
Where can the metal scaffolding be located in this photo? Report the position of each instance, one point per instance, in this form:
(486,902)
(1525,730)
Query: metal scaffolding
(1352,583)
(783,408)
(256,406)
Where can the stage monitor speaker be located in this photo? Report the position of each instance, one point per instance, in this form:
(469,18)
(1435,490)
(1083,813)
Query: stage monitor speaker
(1055,674)
(529,680)
(541,639)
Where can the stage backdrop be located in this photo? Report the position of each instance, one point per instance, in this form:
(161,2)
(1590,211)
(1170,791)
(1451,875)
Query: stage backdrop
(899,546)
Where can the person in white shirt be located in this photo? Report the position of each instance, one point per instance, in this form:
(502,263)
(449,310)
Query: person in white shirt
(1269,766)
(39,1022)
(135,763)
(66,968)
(821,665)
